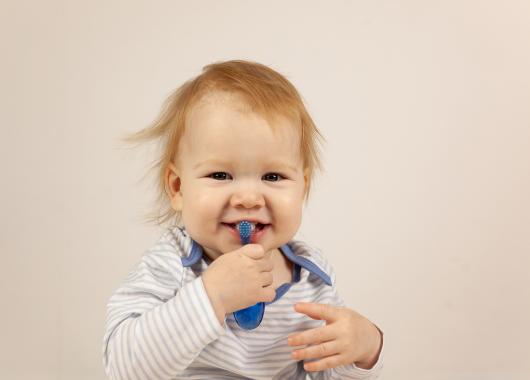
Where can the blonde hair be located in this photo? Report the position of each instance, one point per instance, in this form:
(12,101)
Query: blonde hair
(266,91)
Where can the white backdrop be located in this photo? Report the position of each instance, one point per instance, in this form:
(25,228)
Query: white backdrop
(425,108)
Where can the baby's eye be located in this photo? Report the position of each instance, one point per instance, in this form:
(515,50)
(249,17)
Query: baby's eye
(273,177)
(220,176)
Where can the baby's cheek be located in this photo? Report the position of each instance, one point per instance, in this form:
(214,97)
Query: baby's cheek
(199,209)
(207,204)
(289,213)
(293,203)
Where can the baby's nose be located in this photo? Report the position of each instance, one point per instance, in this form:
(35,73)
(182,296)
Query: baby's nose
(247,197)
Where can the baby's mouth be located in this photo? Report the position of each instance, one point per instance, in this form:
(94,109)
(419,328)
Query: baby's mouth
(255,227)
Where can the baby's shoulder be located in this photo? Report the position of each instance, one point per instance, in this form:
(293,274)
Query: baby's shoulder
(314,254)
(304,249)
(164,258)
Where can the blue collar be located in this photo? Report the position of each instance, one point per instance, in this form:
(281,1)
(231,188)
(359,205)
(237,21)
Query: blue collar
(196,254)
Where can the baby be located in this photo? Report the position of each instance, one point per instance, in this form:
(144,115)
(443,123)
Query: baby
(237,145)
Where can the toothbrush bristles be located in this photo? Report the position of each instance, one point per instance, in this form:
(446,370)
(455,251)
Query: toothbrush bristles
(245,228)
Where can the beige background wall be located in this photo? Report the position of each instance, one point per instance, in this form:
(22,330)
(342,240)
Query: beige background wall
(425,107)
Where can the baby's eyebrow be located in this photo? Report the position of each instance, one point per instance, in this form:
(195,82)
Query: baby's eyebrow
(284,165)
(210,161)
(269,164)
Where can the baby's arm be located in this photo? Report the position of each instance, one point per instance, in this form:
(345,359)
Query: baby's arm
(155,328)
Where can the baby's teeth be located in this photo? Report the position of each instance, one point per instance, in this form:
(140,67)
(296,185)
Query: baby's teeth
(246,229)
(252,226)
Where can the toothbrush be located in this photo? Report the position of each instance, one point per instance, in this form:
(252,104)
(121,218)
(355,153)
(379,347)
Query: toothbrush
(251,317)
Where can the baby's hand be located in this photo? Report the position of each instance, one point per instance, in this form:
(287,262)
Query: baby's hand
(239,279)
(347,338)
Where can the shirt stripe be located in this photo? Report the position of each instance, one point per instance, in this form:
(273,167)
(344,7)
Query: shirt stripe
(161,323)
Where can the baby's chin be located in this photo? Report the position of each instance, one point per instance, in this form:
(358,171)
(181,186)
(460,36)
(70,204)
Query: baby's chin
(214,251)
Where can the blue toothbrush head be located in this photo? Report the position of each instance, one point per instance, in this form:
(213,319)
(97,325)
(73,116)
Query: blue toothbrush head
(245,231)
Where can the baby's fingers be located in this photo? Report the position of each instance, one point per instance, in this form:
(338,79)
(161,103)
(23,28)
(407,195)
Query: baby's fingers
(313,336)
(321,350)
(326,363)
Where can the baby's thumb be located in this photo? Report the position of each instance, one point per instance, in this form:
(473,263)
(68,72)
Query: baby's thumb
(254,251)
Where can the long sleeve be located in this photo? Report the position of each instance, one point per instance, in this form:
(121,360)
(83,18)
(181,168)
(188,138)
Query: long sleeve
(350,371)
(155,327)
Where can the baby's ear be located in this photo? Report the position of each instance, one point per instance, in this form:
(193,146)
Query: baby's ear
(306,180)
(172,184)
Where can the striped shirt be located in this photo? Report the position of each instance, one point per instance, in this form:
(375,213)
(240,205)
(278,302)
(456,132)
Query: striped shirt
(161,324)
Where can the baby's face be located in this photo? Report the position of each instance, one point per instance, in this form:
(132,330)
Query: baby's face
(232,166)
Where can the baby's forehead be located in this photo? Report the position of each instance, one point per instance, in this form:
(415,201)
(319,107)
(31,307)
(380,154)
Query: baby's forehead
(232,138)
(217,98)
(211,110)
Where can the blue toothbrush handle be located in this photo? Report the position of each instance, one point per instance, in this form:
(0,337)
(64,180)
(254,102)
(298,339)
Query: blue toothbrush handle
(250,317)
